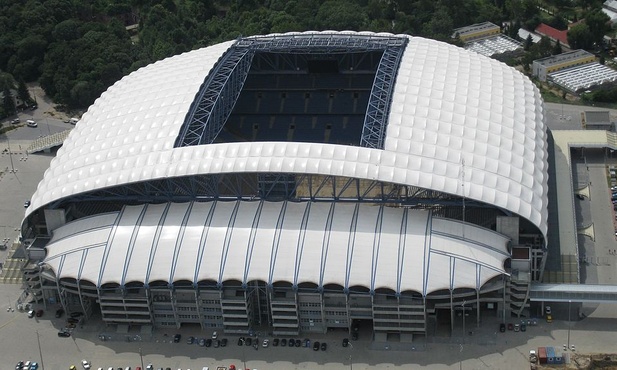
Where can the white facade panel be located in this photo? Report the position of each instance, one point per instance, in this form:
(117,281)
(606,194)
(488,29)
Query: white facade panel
(214,256)
(422,256)
(414,252)
(313,248)
(285,247)
(118,246)
(338,261)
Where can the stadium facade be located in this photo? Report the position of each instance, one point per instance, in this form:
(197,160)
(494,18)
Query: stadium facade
(299,182)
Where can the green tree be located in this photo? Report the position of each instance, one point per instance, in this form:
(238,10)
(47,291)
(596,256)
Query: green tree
(599,25)
(23,93)
(579,37)
(440,26)
(557,48)
(528,42)
(341,15)
(8,104)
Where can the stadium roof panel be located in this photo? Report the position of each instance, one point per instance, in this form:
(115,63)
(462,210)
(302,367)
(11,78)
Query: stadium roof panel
(459,123)
(343,244)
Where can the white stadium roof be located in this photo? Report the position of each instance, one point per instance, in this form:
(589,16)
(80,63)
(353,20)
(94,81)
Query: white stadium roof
(459,123)
(351,245)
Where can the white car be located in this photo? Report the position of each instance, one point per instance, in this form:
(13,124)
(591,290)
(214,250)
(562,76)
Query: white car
(85,364)
(547,310)
(265,343)
(31,123)
(215,335)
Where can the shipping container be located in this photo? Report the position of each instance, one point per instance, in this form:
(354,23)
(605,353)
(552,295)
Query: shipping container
(550,355)
(542,355)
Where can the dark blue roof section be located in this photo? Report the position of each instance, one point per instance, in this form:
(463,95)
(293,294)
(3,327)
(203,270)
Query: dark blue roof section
(218,94)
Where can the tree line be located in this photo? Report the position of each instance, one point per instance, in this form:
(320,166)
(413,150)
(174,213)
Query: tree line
(76,49)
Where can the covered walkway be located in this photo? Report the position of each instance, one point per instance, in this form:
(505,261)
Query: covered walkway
(573,293)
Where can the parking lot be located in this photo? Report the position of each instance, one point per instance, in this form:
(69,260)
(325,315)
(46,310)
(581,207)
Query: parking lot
(486,348)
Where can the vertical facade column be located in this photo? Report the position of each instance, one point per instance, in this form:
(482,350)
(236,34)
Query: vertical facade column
(451,313)
(477,308)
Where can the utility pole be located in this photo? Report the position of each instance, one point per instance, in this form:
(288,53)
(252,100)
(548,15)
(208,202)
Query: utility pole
(40,351)
(10,154)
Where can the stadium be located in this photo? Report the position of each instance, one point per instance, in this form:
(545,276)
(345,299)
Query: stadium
(299,182)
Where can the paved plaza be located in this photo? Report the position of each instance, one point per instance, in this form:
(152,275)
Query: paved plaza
(20,337)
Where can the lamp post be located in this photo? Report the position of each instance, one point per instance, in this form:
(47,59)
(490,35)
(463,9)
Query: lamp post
(350,357)
(141,357)
(569,324)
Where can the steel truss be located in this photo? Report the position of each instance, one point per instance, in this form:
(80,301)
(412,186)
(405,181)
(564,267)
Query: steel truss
(218,94)
(375,120)
(270,187)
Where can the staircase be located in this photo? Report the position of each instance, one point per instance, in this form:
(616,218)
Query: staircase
(519,295)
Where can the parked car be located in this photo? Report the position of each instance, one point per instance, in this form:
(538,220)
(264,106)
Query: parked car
(517,327)
(201,342)
(354,335)
(510,326)
(64,334)
(19,365)
(291,343)
(298,343)
(85,364)
(31,313)
(275,342)
(216,343)
(307,343)
(316,346)
(324,346)
(241,341)
(549,318)
(76,314)
(59,312)
(15,121)
(39,313)
(547,310)
(502,327)
(224,342)
(283,342)
(523,327)
(177,337)
(345,342)
(190,340)
(248,341)
(214,335)
(265,343)
(31,123)
(208,342)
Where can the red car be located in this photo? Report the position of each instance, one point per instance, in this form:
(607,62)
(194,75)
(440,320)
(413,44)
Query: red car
(39,313)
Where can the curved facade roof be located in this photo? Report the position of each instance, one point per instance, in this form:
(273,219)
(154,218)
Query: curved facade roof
(344,244)
(459,123)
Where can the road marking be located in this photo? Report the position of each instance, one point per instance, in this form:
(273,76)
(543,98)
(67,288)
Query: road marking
(8,322)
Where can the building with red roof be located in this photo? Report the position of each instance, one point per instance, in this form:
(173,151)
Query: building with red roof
(553,34)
